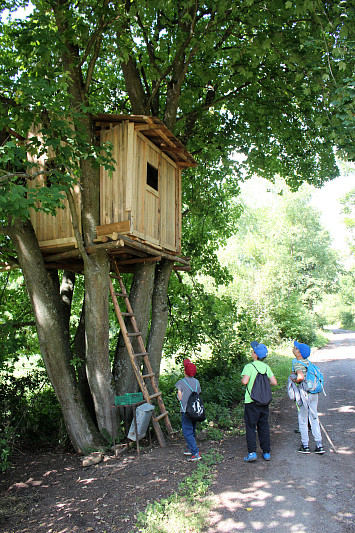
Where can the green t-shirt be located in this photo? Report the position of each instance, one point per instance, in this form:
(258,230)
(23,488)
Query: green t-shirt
(251,370)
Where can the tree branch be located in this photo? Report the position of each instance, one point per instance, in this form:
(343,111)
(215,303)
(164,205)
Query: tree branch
(17,324)
(10,175)
(75,222)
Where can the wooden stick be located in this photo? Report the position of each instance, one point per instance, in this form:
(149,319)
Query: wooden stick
(329,439)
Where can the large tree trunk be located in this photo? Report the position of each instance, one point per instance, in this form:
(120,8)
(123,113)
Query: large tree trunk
(54,339)
(140,298)
(96,271)
(98,367)
(160,314)
(80,355)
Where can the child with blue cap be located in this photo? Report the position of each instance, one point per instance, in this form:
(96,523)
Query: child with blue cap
(301,352)
(256,416)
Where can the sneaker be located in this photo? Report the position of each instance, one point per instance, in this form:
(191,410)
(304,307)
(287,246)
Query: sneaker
(187,452)
(319,449)
(195,457)
(250,457)
(266,456)
(304,449)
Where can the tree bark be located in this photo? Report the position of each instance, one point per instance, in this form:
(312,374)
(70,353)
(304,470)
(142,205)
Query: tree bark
(160,314)
(66,294)
(98,366)
(54,339)
(79,346)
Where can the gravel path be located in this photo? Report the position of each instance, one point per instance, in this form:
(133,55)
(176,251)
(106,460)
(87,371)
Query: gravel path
(294,492)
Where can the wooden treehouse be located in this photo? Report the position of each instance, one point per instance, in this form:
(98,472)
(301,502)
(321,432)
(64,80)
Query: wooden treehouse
(140,202)
(140,220)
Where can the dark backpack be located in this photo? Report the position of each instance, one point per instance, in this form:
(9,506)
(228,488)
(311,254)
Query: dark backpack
(261,391)
(194,407)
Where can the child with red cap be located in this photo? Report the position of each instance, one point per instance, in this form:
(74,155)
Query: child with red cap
(184,387)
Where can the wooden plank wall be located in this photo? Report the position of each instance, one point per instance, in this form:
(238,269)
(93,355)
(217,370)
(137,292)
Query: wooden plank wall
(168,203)
(153,212)
(178,210)
(139,176)
(48,227)
(113,185)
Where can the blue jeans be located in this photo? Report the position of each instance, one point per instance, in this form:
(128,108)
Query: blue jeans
(189,432)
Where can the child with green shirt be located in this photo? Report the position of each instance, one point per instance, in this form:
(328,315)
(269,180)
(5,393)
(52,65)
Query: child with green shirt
(256,416)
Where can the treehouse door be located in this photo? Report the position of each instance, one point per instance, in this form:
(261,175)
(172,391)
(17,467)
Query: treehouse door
(152,195)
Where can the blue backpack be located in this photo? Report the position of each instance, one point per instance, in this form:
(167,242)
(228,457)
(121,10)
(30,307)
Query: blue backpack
(314,379)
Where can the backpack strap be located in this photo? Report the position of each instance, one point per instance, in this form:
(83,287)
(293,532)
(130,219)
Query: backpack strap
(191,389)
(257,372)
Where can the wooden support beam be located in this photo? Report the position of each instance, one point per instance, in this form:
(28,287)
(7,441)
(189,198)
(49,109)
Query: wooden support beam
(71,254)
(182,268)
(142,127)
(104,246)
(139,260)
(116,227)
(72,267)
(113,246)
(151,251)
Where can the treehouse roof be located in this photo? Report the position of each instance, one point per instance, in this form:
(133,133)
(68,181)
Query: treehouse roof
(155,130)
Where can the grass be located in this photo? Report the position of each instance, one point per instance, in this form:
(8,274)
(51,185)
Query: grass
(185,511)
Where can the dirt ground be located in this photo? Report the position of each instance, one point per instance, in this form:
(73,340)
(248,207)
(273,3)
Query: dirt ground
(52,492)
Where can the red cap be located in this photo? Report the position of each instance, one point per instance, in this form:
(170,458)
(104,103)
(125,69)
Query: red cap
(186,362)
(190,370)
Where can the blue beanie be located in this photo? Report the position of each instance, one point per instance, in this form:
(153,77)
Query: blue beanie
(304,349)
(259,349)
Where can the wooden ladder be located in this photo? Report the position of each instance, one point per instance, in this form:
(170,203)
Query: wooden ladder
(137,358)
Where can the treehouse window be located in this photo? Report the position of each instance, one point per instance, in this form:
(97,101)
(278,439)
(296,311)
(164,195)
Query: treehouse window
(152,176)
(49,167)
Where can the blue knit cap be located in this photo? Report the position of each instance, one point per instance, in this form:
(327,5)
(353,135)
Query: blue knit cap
(303,348)
(259,349)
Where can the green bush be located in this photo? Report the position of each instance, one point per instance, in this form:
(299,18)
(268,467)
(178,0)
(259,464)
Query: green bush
(295,321)
(29,412)
(221,391)
(347,319)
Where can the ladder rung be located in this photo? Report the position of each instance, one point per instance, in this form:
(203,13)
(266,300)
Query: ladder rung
(121,294)
(135,334)
(127,314)
(148,375)
(162,416)
(155,395)
(143,354)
